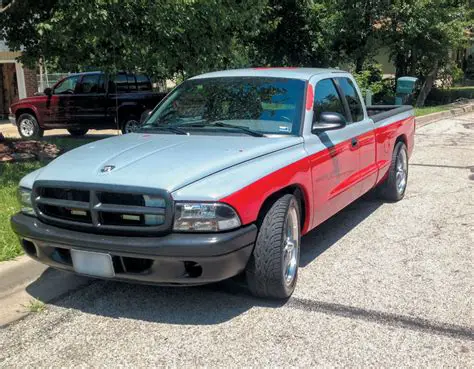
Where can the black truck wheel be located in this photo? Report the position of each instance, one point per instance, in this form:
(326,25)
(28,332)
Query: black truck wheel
(394,186)
(272,270)
(28,127)
(77,132)
(130,124)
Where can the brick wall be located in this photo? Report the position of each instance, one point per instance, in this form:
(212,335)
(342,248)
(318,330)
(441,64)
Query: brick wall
(31,84)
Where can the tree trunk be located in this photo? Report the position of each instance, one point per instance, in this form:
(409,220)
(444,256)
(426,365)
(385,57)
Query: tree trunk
(427,85)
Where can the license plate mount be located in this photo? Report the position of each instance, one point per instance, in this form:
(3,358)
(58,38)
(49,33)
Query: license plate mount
(94,264)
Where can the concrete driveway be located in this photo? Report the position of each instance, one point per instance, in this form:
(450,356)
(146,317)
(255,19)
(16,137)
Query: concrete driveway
(9,130)
(380,285)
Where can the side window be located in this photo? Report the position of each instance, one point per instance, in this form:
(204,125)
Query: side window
(89,84)
(67,86)
(143,83)
(132,84)
(327,99)
(119,84)
(352,98)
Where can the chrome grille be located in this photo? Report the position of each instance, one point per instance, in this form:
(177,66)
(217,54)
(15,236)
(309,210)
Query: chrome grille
(103,208)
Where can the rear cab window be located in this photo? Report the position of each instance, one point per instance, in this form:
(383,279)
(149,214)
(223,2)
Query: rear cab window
(352,98)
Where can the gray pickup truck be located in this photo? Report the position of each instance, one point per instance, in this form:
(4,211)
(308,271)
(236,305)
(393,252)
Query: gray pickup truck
(224,177)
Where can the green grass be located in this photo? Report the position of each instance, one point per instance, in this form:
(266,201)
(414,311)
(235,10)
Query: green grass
(10,175)
(431,109)
(35,306)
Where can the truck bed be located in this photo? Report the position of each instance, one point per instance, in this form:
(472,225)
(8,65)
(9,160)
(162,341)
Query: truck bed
(381,112)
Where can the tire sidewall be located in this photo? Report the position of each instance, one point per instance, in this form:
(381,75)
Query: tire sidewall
(289,288)
(37,131)
(127,120)
(398,148)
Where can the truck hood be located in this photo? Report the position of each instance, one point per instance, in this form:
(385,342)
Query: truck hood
(161,161)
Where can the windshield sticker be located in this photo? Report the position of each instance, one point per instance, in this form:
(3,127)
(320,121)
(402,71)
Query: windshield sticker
(284,129)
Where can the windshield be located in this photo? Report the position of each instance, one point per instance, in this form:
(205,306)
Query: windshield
(255,105)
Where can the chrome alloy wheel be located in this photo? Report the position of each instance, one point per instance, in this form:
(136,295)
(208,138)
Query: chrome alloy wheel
(291,247)
(132,125)
(27,127)
(401,171)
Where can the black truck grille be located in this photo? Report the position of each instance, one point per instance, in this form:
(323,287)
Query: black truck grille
(104,208)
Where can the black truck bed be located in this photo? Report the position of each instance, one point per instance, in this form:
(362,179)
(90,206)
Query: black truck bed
(381,112)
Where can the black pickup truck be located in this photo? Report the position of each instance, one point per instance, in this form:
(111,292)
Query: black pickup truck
(83,101)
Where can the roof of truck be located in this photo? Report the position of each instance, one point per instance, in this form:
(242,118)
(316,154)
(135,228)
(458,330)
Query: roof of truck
(275,72)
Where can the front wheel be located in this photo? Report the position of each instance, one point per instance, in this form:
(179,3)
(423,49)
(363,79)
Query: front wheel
(28,127)
(272,270)
(395,185)
(77,132)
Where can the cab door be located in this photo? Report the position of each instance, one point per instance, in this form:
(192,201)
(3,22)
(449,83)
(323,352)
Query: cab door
(333,155)
(89,101)
(366,175)
(59,106)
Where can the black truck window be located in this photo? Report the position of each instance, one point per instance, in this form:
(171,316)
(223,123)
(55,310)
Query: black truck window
(90,84)
(352,97)
(143,83)
(327,99)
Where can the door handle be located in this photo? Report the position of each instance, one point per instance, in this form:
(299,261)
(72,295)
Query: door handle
(354,142)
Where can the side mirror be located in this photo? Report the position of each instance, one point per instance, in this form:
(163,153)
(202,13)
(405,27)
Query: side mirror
(47,91)
(145,116)
(329,122)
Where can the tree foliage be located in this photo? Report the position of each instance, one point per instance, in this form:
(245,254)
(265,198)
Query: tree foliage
(168,38)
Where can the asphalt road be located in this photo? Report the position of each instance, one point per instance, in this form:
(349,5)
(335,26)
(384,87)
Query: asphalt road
(380,285)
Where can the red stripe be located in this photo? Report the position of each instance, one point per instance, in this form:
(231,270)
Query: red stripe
(249,200)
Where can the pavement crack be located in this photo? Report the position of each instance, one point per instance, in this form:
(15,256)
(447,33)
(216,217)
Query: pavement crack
(390,319)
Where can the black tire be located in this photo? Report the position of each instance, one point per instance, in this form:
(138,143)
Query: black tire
(389,190)
(129,122)
(265,272)
(77,132)
(28,127)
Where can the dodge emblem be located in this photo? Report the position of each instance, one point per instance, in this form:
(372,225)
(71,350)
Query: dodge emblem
(107,168)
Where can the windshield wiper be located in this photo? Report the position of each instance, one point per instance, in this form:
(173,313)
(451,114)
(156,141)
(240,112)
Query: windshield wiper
(225,125)
(176,130)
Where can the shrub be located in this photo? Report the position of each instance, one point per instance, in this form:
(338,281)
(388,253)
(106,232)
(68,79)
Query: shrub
(440,96)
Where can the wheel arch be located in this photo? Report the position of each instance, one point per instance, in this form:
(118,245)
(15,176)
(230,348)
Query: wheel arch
(294,189)
(401,138)
(129,108)
(26,110)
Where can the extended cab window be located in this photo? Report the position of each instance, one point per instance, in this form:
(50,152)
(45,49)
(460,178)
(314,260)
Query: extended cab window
(352,97)
(67,85)
(327,99)
(143,83)
(91,84)
(262,104)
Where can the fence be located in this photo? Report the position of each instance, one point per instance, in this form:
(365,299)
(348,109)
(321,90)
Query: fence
(48,80)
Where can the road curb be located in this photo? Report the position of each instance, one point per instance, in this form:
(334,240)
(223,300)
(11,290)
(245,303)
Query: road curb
(23,280)
(434,117)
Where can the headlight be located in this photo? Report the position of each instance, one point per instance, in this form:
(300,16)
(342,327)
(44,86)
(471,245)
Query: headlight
(204,217)
(24,196)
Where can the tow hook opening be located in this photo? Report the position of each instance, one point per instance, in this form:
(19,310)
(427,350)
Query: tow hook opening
(29,248)
(193,269)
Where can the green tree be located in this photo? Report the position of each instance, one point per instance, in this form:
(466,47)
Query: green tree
(163,37)
(422,36)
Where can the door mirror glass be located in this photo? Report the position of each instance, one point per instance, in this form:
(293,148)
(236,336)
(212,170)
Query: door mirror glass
(47,91)
(329,121)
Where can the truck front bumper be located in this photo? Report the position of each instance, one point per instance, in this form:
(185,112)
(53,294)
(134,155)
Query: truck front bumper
(174,259)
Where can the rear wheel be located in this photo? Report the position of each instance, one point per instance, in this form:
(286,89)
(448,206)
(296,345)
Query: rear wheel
(272,270)
(28,127)
(130,124)
(394,186)
(77,132)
